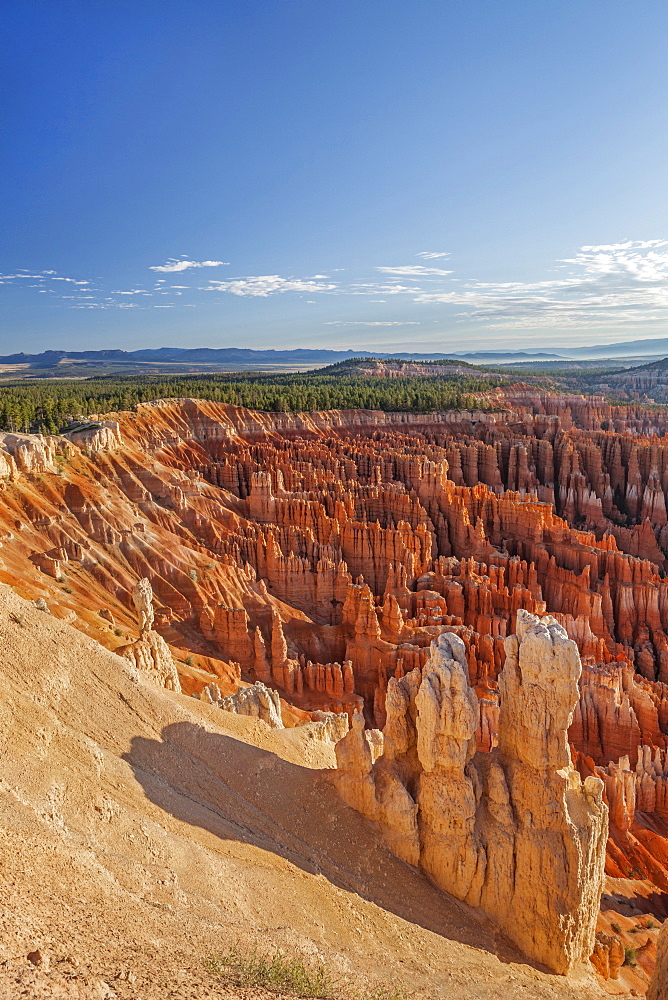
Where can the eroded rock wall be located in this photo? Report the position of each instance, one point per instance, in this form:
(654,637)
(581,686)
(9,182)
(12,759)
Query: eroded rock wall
(515,831)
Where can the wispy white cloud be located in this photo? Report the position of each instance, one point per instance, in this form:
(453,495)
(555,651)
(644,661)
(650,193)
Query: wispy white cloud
(607,285)
(413,271)
(184,265)
(378,322)
(610,286)
(374,288)
(42,276)
(644,260)
(262,285)
(12,277)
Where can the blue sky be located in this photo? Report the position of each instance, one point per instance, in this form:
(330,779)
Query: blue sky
(424,174)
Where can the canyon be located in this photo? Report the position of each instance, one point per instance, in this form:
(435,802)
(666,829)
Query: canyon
(310,572)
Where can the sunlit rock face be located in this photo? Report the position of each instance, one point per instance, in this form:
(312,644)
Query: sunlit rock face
(514,831)
(322,554)
(658,989)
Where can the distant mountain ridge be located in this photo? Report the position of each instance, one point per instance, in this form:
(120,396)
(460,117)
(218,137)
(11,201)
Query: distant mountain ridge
(225,355)
(246,356)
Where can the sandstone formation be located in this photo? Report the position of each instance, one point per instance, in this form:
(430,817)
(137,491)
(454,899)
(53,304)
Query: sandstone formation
(150,653)
(142,598)
(332,728)
(514,831)
(608,955)
(96,435)
(258,701)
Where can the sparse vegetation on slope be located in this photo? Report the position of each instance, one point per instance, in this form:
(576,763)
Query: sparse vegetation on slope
(294,974)
(277,972)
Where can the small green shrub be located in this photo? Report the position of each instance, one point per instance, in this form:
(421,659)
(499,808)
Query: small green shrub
(616,928)
(385,993)
(117,631)
(68,590)
(189,661)
(630,955)
(280,973)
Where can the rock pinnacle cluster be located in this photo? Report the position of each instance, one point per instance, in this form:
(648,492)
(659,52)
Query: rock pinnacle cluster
(471,605)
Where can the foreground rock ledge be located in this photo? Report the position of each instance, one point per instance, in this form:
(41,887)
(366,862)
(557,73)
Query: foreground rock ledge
(514,831)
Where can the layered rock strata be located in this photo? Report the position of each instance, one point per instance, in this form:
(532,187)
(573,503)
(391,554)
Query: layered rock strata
(514,831)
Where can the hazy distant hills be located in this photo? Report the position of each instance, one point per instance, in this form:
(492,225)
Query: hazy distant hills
(179,360)
(225,355)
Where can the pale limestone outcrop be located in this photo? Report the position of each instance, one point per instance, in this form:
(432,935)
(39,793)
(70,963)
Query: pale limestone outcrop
(102,435)
(658,988)
(258,701)
(8,468)
(374,738)
(28,453)
(514,831)
(330,726)
(561,823)
(152,657)
(150,653)
(142,598)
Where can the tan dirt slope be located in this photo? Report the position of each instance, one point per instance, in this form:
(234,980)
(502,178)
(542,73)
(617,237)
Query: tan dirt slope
(142,830)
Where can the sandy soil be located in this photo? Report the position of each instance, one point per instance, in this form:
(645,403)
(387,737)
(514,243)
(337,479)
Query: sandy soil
(141,831)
